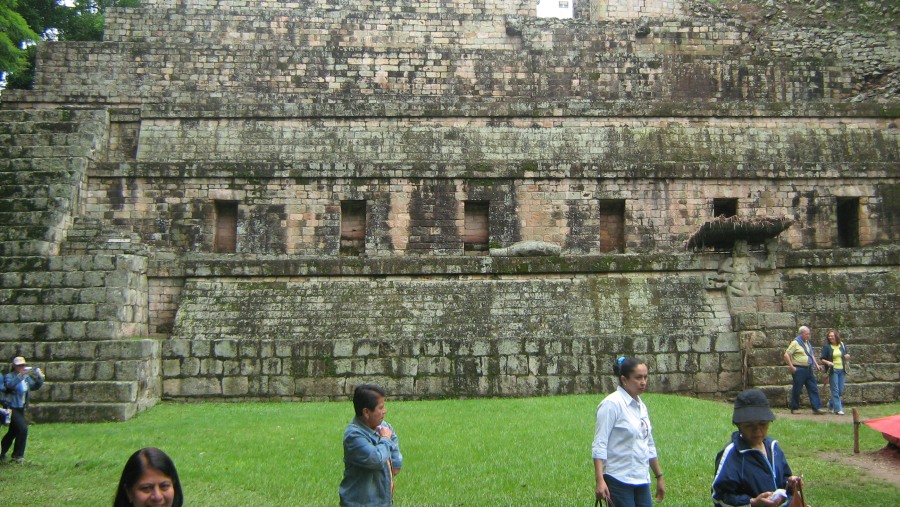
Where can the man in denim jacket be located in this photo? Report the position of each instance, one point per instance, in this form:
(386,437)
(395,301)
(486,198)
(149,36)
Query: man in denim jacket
(371,453)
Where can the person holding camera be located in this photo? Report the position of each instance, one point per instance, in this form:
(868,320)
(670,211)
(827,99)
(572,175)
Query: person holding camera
(17,385)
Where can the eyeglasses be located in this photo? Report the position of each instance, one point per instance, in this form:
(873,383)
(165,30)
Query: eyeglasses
(645,429)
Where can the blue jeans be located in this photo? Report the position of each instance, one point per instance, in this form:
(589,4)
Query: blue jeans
(838,379)
(804,377)
(628,495)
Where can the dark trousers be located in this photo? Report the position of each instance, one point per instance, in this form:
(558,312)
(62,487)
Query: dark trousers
(628,495)
(18,431)
(805,377)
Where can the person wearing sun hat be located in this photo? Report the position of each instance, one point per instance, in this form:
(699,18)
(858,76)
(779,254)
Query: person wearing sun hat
(752,467)
(17,385)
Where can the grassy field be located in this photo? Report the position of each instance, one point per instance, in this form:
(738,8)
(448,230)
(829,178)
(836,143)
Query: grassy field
(498,452)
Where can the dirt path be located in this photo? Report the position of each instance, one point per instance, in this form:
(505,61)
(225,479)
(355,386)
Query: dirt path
(883,464)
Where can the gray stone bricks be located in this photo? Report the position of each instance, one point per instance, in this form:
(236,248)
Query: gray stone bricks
(609,136)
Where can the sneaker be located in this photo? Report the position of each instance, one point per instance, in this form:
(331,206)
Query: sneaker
(3,458)
(18,460)
(818,411)
(840,412)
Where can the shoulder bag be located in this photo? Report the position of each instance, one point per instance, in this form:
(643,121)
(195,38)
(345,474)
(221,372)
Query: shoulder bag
(797,500)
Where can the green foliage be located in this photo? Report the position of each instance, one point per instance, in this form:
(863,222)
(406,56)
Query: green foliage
(14,31)
(48,19)
(483,452)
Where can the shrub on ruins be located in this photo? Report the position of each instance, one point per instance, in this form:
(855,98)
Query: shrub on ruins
(15,34)
(73,20)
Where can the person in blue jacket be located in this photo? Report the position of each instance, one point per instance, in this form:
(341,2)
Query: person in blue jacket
(17,385)
(371,453)
(752,469)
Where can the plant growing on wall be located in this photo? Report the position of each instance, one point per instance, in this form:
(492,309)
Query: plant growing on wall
(74,20)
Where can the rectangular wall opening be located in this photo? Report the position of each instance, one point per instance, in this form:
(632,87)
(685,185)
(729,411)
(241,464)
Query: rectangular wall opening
(726,207)
(476,231)
(612,225)
(225,240)
(848,222)
(353,228)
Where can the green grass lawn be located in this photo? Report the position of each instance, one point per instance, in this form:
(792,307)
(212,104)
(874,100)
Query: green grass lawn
(497,452)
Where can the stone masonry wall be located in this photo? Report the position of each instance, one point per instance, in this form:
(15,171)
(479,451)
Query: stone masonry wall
(633,118)
(495,333)
(416,217)
(401,64)
(854,292)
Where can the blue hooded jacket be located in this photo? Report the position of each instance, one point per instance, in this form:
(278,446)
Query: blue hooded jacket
(743,473)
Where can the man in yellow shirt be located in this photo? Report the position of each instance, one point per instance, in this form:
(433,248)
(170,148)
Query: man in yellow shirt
(801,360)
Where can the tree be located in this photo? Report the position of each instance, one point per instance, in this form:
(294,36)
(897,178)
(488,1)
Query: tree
(54,20)
(15,35)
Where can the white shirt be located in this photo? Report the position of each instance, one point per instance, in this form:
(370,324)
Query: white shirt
(623,438)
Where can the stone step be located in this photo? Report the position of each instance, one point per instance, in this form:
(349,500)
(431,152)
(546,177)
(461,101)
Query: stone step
(18,233)
(30,116)
(778,373)
(45,189)
(865,392)
(66,135)
(27,218)
(93,351)
(12,169)
(26,248)
(116,391)
(39,152)
(18,205)
(83,412)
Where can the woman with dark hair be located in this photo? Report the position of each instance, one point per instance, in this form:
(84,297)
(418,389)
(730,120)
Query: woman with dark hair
(836,358)
(149,479)
(623,441)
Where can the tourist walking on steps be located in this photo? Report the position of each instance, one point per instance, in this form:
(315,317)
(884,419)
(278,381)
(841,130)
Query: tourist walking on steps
(836,359)
(17,386)
(371,453)
(623,447)
(801,360)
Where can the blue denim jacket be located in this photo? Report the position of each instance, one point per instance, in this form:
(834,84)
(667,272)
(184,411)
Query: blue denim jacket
(17,388)
(367,477)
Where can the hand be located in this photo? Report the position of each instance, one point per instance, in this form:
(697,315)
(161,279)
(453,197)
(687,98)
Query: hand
(793,369)
(39,372)
(763,500)
(602,491)
(660,490)
(385,432)
(847,357)
(819,367)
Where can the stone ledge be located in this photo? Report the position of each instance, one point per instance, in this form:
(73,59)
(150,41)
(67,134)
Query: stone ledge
(82,412)
(237,265)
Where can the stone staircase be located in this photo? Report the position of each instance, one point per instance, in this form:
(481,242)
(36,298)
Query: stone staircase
(97,380)
(44,155)
(71,309)
(765,336)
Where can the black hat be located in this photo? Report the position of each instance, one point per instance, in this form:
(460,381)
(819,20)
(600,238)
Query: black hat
(752,405)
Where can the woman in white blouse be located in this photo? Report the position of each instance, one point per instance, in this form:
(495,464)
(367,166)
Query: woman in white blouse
(623,441)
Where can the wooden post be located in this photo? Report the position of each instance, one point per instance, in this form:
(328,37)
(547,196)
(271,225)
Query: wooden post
(856,424)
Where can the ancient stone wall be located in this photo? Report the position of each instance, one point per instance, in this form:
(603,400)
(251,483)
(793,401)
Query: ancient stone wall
(469,328)
(236,140)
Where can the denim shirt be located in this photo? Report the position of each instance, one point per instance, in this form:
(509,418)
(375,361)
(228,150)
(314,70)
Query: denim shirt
(17,388)
(367,477)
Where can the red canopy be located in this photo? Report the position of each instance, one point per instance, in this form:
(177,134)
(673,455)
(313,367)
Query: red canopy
(888,426)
